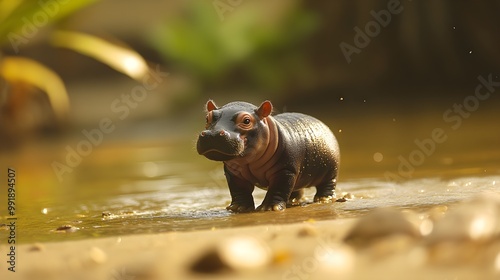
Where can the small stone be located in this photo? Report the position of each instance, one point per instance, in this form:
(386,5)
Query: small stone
(381,223)
(97,255)
(426,227)
(106,214)
(349,196)
(210,262)
(475,220)
(437,212)
(245,253)
(337,261)
(234,254)
(307,231)
(467,233)
(37,247)
(67,228)
(345,197)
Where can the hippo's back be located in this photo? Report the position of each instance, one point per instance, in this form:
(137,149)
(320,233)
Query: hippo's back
(315,145)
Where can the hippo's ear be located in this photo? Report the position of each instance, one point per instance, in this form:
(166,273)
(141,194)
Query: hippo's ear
(265,109)
(211,106)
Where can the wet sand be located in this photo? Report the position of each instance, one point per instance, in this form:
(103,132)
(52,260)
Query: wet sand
(155,230)
(446,242)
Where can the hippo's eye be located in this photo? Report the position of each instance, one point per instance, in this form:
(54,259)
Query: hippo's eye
(245,121)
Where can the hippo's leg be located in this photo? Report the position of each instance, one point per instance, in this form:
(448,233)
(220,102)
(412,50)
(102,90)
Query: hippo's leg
(241,194)
(297,197)
(325,192)
(278,192)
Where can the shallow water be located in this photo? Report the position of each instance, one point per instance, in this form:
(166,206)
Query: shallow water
(175,193)
(131,185)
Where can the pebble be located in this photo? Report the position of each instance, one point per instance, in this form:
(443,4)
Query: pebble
(348,196)
(345,197)
(67,228)
(36,247)
(307,231)
(437,212)
(381,223)
(337,261)
(97,255)
(467,233)
(476,220)
(106,214)
(235,254)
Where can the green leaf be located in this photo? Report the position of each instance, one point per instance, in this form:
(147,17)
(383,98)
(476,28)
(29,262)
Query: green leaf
(25,18)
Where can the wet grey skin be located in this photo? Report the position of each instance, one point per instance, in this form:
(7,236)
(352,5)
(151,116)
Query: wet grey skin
(282,154)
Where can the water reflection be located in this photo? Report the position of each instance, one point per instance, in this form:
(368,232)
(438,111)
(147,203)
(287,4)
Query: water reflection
(175,195)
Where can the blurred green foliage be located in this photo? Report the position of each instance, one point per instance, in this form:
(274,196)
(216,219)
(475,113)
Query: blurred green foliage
(248,40)
(22,79)
(18,14)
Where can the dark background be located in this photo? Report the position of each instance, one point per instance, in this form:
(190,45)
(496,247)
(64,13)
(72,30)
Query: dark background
(395,90)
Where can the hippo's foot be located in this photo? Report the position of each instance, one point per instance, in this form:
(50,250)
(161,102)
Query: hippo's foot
(240,208)
(325,193)
(324,199)
(277,206)
(297,198)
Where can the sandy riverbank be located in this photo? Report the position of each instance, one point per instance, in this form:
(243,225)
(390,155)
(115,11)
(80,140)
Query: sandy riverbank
(456,243)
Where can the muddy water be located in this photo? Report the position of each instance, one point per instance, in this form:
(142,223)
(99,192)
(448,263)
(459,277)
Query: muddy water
(137,196)
(149,186)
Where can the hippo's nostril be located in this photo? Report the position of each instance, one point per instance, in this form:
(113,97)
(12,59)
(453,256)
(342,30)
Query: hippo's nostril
(217,133)
(205,133)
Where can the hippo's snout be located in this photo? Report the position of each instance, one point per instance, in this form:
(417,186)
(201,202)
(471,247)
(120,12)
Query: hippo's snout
(210,133)
(219,145)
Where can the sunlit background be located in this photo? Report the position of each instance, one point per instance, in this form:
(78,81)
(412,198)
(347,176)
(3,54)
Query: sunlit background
(97,95)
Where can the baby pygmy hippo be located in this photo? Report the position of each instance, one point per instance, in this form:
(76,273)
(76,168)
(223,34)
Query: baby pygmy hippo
(282,154)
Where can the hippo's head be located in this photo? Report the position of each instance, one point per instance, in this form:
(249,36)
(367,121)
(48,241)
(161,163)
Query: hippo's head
(234,130)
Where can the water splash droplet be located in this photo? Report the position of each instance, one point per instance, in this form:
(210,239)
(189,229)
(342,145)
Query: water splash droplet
(378,157)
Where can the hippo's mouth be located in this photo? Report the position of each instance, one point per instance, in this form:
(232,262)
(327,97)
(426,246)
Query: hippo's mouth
(220,148)
(217,155)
